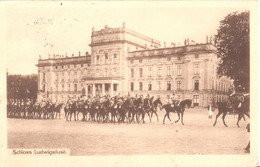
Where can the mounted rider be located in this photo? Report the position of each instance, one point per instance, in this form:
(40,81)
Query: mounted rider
(175,100)
(240,95)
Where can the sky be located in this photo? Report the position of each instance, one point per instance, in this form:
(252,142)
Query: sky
(34,29)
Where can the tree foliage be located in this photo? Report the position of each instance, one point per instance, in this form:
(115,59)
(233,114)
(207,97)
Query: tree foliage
(232,42)
(22,87)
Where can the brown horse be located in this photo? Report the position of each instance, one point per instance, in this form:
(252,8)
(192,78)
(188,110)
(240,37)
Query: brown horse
(179,109)
(233,104)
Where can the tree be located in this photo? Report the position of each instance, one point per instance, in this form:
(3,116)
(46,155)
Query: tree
(232,42)
(22,87)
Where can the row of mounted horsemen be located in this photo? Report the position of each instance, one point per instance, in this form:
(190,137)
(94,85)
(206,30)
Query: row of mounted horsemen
(120,109)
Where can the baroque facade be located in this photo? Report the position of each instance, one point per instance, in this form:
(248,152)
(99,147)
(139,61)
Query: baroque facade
(124,62)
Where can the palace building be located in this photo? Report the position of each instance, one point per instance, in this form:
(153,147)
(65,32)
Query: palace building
(124,62)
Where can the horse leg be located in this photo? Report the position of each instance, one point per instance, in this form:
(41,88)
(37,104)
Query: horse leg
(223,117)
(149,117)
(238,119)
(164,118)
(168,115)
(143,115)
(247,115)
(157,116)
(219,113)
(182,118)
(178,118)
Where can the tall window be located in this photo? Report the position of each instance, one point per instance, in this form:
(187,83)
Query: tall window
(149,86)
(106,58)
(132,86)
(97,59)
(75,87)
(196,85)
(106,73)
(62,88)
(132,73)
(169,71)
(114,60)
(57,87)
(159,71)
(196,100)
(196,69)
(178,85)
(115,87)
(43,77)
(57,76)
(149,71)
(69,87)
(159,85)
(140,72)
(178,70)
(114,71)
(168,99)
(140,86)
(169,85)
(43,87)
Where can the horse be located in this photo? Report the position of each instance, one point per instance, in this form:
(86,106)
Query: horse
(233,105)
(139,109)
(104,110)
(122,108)
(72,110)
(57,110)
(155,105)
(131,109)
(179,109)
(148,107)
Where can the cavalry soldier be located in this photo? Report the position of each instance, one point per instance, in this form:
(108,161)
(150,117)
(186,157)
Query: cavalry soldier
(148,97)
(175,101)
(240,95)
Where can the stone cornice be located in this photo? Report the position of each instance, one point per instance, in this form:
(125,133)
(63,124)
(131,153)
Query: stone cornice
(174,51)
(124,30)
(115,42)
(64,61)
(103,78)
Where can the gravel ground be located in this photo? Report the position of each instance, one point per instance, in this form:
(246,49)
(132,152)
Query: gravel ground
(197,136)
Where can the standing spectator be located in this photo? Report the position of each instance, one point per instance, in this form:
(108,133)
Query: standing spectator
(210,111)
(247,149)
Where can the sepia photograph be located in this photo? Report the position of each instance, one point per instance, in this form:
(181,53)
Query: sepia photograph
(130,83)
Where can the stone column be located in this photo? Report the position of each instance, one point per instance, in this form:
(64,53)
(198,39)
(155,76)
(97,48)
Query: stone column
(86,89)
(111,89)
(94,90)
(103,89)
